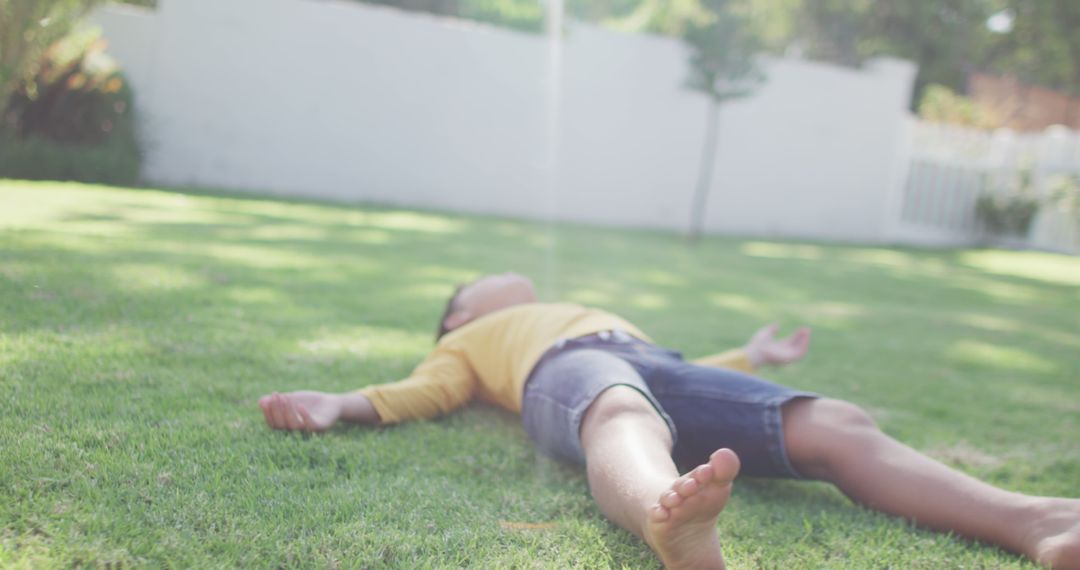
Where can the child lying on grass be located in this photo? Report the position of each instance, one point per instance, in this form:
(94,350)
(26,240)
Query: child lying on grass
(592,389)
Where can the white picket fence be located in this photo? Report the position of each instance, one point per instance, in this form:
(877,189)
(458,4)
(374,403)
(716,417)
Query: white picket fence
(949,167)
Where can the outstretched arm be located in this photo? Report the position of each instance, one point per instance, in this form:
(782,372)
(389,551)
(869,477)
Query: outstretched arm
(442,382)
(762,349)
(316,411)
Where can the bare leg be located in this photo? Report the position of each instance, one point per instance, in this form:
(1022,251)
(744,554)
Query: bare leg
(635,483)
(837,442)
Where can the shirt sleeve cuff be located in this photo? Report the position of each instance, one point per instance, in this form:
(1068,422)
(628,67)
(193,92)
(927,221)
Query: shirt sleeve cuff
(735,359)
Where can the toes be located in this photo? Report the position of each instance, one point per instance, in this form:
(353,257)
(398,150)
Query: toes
(702,473)
(725,464)
(687,487)
(658,513)
(670,499)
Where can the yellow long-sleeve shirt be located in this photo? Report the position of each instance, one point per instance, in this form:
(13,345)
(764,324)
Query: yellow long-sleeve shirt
(491,357)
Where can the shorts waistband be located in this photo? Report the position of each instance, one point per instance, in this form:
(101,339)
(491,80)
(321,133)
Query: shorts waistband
(615,336)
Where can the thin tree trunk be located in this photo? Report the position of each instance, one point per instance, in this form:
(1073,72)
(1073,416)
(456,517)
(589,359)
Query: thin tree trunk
(708,157)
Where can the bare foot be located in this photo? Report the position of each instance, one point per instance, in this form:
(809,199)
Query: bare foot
(1056,535)
(681,526)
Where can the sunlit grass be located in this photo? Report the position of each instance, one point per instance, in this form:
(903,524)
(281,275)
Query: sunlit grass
(1043,267)
(998,357)
(138,327)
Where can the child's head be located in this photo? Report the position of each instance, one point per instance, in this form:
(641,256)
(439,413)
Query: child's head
(485,295)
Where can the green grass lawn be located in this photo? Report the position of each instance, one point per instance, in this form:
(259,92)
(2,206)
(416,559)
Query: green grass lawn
(139,327)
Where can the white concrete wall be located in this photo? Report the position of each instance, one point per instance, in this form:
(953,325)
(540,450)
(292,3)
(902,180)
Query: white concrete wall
(357,102)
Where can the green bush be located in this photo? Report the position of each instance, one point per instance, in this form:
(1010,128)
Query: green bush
(1065,194)
(939,104)
(37,158)
(74,120)
(1009,212)
(522,15)
(1007,216)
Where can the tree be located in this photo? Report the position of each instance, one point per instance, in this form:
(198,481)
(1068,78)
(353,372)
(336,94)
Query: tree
(27,28)
(949,38)
(945,38)
(667,17)
(723,66)
(1043,45)
(830,30)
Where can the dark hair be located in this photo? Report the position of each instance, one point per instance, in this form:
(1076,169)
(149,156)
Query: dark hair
(451,306)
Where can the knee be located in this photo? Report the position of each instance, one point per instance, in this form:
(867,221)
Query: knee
(822,431)
(622,409)
(619,402)
(841,416)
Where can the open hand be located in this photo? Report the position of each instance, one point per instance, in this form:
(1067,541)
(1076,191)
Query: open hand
(305,410)
(765,348)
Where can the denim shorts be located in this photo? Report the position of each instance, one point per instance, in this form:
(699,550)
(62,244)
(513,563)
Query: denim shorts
(706,408)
